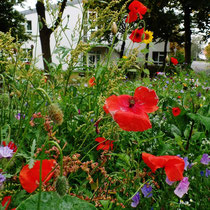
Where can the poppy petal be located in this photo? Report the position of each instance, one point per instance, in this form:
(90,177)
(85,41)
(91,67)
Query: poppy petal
(6,199)
(29,178)
(100,139)
(115,103)
(153,162)
(130,121)
(174,169)
(146,99)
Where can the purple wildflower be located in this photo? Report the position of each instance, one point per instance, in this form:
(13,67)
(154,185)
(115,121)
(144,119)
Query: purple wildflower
(78,111)
(146,190)
(169,182)
(207,172)
(17,116)
(6,152)
(199,95)
(182,187)
(202,173)
(205,159)
(136,199)
(186,162)
(167,82)
(2,179)
(181,91)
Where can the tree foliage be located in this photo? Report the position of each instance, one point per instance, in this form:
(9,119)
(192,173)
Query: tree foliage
(10,19)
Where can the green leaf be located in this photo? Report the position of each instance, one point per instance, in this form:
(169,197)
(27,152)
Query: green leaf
(51,200)
(145,51)
(203,120)
(146,71)
(100,72)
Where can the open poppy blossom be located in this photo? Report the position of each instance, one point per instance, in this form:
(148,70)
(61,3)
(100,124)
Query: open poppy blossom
(174,165)
(136,35)
(11,145)
(91,81)
(104,144)
(130,112)
(174,61)
(176,111)
(136,9)
(29,178)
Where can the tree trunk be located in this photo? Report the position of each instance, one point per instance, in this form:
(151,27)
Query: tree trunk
(122,49)
(45,32)
(165,52)
(45,44)
(187,23)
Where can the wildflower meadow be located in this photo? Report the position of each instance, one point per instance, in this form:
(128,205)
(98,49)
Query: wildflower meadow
(98,138)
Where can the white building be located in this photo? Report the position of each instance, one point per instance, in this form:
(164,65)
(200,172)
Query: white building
(72,17)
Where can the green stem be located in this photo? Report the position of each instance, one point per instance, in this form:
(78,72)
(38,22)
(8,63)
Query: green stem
(45,93)
(61,155)
(3,82)
(137,190)
(40,185)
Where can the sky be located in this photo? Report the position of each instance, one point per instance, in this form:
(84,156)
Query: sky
(29,4)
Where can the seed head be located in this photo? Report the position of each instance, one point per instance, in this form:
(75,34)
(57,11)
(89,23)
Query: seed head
(55,113)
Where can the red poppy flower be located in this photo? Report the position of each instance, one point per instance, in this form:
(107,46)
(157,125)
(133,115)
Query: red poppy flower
(11,145)
(104,144)
(6,199)
(174,61)
(130,112)
(92,81)
(174,165)
(136,9)
(176,111)
(136,35)
(29,178)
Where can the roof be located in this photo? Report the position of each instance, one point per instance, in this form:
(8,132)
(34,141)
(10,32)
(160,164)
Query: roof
(31,11)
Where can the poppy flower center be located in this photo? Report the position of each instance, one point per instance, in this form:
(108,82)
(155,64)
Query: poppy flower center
(131,102)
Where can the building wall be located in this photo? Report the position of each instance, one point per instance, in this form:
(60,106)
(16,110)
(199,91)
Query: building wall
(71,22)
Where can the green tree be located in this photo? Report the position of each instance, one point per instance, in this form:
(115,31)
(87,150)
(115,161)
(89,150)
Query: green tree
(207,51)
(196,15)
(10,19)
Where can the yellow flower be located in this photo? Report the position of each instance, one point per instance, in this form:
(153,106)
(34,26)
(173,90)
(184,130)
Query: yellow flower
(148,36)
(124,57)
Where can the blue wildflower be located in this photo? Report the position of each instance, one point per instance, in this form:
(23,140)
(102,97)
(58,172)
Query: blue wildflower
(146,190)
(136,199)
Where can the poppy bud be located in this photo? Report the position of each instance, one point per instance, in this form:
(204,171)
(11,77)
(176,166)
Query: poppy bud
(55,113)
(62,185)
(114,28)
(167,59)
(4,100)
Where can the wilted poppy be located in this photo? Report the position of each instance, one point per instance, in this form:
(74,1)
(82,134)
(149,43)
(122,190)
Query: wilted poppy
(29,178)
(174,61)
(136,9)
(176,111)
(174,165)
(91,81)
(6,199)
(130,112)
(136,35)
(104,144)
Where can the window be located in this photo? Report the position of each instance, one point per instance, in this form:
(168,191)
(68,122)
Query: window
(158,57)
(29,26)
(89,21)
(93,59)
(27,54)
